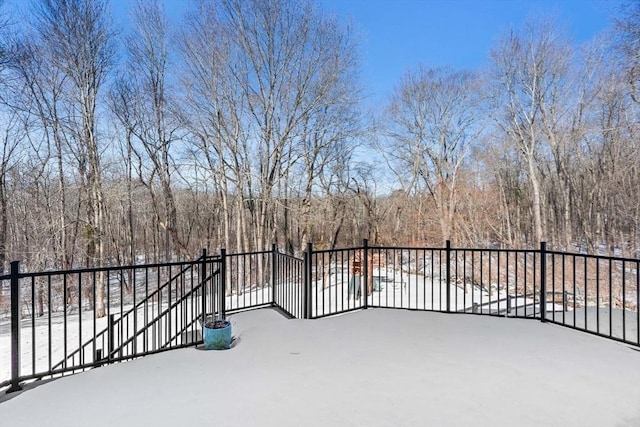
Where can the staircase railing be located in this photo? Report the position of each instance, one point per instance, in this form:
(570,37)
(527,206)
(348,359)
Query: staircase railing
(149,308)
(122,332)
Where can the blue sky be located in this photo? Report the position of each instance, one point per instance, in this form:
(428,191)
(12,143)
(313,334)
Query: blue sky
(458,33)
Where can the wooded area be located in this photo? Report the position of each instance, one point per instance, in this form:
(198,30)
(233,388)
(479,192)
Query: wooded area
(245,124)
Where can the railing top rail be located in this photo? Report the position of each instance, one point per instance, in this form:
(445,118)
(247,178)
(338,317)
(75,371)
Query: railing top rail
(85,270)
(501,250)
(405,248)
(425,248)
(347,249)
(602,257)
(478,250)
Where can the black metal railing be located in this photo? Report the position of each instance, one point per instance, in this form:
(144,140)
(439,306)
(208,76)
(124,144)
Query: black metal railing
(53,328)
(430,279)
(334,281)
(163,318)
(598,294)
(288,283)
(147,308)
(264,279)
(592,293)
(495,282)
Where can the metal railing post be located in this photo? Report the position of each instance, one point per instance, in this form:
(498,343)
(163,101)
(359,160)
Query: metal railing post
(111,332)
(15,327)
(203,281)
(365,272)
(543,281)
(448,251)
(308,272)
(305,279)
(223,284)
(274,273)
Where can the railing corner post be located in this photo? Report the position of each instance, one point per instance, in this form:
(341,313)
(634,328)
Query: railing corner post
(448,263)
(543,281)
(15,327)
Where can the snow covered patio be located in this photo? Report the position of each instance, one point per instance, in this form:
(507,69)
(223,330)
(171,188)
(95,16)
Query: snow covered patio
(375,367)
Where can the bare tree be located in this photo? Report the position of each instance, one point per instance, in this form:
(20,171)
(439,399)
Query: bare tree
(141,101)
(271,102)
(39,95)
(4,51)
(628,31)
(525,70)
(10,139)
(331,126)
(213,107)
(610,158)
(292,67)
(432,120)
(78,35)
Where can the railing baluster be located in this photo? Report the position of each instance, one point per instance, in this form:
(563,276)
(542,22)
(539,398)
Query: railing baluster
(473,281)
(597,295)
(49,355)
(610,298)
(482,281)
(553,287)
(64,308)
(543,281)
(624,305)
(498,281)
(492,288)
(638,302)
(448,267)
(574,289)
(586,297)
(33,325)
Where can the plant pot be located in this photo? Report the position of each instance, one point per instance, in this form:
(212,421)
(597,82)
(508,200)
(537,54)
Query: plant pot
(216,334)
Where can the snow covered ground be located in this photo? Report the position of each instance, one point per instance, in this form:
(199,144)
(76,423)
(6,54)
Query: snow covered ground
(375,367)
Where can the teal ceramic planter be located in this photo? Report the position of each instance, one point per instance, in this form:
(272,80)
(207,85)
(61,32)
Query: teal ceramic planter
(216,334)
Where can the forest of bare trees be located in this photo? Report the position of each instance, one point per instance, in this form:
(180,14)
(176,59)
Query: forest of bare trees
(244,123)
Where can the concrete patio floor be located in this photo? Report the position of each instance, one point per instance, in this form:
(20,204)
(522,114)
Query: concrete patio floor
(370,368)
